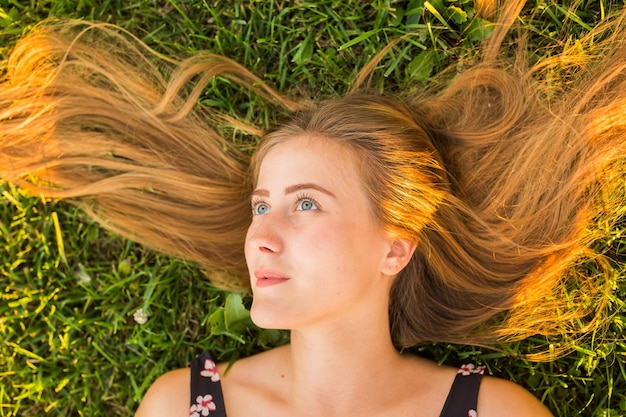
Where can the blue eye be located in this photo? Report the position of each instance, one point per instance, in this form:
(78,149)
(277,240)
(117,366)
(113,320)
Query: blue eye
(307,204)
(260,208)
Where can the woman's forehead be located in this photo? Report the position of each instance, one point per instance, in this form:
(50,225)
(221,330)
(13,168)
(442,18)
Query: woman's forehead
(307,158)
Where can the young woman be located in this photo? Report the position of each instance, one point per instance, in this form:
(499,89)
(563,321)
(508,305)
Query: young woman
(364,224)
(323,253)
(322,263)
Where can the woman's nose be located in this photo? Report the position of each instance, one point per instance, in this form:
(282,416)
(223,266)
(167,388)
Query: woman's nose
(264,235)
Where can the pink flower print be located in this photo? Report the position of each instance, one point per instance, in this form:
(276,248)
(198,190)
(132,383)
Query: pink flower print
(471,413)
(470,368)
(210,371)
(203,406)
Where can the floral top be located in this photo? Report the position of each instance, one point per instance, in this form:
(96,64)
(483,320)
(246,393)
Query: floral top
(206,389)
(207,398)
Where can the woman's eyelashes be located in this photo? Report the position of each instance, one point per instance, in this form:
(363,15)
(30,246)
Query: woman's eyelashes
(305,203)
(259,206)
(302,203)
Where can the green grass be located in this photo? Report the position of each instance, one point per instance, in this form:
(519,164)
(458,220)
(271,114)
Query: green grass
(69,344)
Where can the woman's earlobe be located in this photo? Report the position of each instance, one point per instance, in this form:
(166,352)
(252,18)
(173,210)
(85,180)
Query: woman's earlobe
(399,256)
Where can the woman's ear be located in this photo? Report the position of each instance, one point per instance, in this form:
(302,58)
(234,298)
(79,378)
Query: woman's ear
(399,256)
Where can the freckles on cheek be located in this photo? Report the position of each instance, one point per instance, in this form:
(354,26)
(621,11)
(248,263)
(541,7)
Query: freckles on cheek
(327,252)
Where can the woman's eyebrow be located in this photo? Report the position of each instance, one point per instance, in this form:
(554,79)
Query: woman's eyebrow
(261,193)
(296,187)
(306,186)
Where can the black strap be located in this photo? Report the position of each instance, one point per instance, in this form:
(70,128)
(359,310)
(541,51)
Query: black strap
(463,396)
(206,390)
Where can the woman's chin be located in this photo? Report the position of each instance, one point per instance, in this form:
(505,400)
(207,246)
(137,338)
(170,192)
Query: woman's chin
(267,318)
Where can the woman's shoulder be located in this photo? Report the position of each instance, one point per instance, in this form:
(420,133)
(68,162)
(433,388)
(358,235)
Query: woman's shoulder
(490,395)
(168,396)
(498,397)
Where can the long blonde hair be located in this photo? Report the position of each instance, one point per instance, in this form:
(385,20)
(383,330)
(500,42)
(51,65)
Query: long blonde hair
(496,175)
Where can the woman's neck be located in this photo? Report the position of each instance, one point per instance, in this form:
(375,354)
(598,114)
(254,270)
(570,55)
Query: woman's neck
(336,366)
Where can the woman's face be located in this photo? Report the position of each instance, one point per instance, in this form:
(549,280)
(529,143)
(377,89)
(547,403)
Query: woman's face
(313,250)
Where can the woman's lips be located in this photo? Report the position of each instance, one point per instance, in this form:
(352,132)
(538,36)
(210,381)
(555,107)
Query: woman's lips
(268,282)
(268,278)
